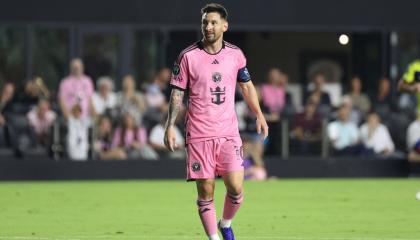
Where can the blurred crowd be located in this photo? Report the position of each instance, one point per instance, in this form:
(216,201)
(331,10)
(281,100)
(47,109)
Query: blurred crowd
(91,120)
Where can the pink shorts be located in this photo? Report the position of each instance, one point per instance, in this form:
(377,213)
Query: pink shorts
(214,157)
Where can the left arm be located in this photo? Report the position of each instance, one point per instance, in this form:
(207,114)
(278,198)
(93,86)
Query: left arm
(251,98)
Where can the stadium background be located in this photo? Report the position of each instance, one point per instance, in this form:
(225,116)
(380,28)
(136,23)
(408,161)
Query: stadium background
(115,38)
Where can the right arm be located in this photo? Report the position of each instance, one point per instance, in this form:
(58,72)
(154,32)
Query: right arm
(403,86)
(175,104)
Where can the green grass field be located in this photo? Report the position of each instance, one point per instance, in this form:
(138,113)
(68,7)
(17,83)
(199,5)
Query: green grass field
(279,209)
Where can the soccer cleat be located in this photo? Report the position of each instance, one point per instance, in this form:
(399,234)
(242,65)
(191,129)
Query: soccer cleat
(227,233)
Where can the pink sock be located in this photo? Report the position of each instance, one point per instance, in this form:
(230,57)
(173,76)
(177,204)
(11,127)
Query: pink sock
(207,214)
(232,204)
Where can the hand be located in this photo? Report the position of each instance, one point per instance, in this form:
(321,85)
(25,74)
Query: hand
(417,87)
(262,124)
(170,138)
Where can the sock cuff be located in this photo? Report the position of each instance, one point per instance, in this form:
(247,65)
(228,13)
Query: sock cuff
(202,203)
(235,197)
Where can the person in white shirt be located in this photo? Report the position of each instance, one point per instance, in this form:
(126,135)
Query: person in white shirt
(413,141)
(104,98)
(156,141)
(77,135)
(375,136)
(344,134)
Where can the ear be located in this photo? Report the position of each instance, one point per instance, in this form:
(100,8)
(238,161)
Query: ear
(225,26)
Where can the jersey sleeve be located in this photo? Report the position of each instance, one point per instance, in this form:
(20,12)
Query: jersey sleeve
(180,74)
(243,74)
(412,74)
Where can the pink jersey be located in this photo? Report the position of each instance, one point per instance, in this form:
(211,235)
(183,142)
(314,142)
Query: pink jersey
(74,91)
(210,80)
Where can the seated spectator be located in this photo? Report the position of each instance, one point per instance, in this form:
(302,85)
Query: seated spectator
(104,100)
(156,141)
(321,98)
(77,134)
(76,89)
(360,100)
(41,119)
(6,99)
(375,136)
(273,94)
(253,161)
(156,98)
(306,130)
(413,141)
(103,142)
(382,101)
(130,100)
(33,91)
(344,135)
(133,139)
(273,100)
(355,115)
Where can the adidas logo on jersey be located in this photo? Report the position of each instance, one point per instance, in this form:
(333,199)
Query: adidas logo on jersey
(215,62)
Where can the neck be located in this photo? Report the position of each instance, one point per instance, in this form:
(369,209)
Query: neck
(214,47)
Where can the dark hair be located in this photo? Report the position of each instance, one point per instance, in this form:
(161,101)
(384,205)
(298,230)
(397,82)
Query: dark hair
(215,7)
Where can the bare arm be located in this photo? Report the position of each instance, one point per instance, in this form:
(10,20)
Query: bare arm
(251,98)
(175,105)
(408,87)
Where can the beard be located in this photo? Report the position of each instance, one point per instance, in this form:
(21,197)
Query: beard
(212,38)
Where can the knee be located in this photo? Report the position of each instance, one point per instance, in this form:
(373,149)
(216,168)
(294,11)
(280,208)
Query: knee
(236,190)
(206,192)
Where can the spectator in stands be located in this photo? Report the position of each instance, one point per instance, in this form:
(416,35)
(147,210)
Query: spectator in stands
(375,136)
(77,134)
(76,89)
(164,77)
(132,138)
(33,91)
(382,101)
(156,99)
(253,161)
(413,141)
(321,98)
(103,142)
(104,99)
(306,129)
(344,135)
(360,100)
(41,119)
(130,100)
(6,99)
(156,141)
(273,94)
(355,115)
(273,100)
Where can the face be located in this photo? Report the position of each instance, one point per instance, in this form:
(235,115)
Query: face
(213,26)
(310,108)
(129,121)
(274,76)
(43,107)
(373,119)
(128,83)
(8,91)
(104,89)
(319,81)
(165,75)
(356,84)
(384,85)
(105,125)
(343,113)
(76,67)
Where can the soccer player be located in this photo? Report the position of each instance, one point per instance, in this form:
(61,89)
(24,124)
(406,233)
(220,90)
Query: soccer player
(209,71)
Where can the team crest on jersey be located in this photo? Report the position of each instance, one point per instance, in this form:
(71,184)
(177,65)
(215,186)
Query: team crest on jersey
(196,167)
(175,70)
(217,77)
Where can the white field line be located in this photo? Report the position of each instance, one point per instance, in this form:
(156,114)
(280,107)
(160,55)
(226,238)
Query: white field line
(192,237)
